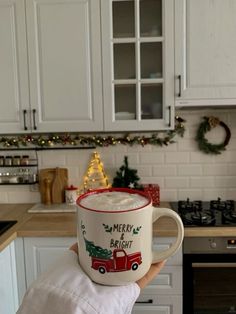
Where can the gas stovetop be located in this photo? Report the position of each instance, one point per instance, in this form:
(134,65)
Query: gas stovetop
(213,213)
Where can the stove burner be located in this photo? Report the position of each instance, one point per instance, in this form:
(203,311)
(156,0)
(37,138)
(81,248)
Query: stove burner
(213,213)
(198,218)
(187,205)
(222,205)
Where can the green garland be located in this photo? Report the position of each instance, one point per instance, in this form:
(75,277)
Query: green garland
(69,139)
(203,143)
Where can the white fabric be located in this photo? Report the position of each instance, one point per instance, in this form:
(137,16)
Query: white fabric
(66,289)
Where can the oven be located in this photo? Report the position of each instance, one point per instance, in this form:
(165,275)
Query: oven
(209,263)
(209,276)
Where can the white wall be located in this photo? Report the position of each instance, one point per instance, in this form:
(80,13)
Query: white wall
(180,169)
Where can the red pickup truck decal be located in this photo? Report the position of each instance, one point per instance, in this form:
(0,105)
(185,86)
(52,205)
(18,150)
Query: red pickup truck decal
(120,261)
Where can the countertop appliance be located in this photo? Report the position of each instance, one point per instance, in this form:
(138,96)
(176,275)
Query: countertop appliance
(209,263)
(218,213)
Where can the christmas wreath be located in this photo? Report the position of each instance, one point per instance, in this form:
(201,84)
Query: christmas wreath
(206,126)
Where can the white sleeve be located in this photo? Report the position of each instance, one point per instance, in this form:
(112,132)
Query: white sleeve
(67,289)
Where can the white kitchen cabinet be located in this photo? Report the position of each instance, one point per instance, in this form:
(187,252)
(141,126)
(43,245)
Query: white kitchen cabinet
(155,304)
(8,281)
(14,84)
(42,252)
(50,61)
(205,59)
(164,294)
(138,64)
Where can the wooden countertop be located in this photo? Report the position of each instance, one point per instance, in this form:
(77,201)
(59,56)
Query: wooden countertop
(64,225)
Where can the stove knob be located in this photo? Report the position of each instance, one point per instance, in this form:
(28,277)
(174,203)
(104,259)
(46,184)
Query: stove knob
(213,245)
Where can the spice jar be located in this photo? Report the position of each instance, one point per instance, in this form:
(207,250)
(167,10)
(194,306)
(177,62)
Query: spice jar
(1,160)
(25,160)
(8,161)
(71,195)
(16,160)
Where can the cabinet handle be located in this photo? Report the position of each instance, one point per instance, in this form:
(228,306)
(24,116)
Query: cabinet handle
(169,108)
(34,120)
(180,85)
(149,301)
(24,118)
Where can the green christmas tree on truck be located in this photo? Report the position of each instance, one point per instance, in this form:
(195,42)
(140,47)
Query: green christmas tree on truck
(97,251)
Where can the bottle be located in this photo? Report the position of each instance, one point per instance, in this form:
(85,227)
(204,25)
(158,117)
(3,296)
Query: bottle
(1,160)
(8,161)
(16,160)
(24,160)
(71,195)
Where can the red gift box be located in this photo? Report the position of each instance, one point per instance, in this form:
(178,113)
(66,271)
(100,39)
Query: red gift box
(154,191)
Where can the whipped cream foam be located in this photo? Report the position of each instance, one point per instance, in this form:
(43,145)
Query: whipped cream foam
(114,201)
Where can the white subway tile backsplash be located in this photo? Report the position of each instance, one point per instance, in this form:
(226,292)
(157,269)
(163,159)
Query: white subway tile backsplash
(144,171)
(4,197)
(225,182)
(181,169)
(153,180)
(176,182)
(189,170)
(139,148)
(215,169)
(165,170)
(133,159)
(187,145)
(201,157)
(231,194)
(231,156)
(53,159)
(232,169)
(202,182)
(232,144)
(177,158)
(213,194)
(193,194)
(169,148)
(23,194)
(168,195)
(152,158)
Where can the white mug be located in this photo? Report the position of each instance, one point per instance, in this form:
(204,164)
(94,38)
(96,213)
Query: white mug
(115,234)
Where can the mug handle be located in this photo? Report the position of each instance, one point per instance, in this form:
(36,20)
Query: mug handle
(160,212)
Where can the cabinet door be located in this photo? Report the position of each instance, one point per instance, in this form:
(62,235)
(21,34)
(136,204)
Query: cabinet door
(154,304)
(14,95)
(8,281)
(205,52)
(65,65)
(40,253)
(167,282)
(138,64)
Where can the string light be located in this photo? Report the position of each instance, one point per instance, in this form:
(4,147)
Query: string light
(160,138)
(95,176)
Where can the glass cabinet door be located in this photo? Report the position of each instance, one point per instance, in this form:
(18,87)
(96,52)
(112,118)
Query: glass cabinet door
(138,66)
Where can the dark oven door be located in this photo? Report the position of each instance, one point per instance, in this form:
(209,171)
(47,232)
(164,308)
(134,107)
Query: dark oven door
(209,284)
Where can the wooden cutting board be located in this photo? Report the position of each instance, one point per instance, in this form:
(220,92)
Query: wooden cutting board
(52,183)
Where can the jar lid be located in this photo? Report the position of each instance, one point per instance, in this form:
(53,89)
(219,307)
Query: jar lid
(71,188)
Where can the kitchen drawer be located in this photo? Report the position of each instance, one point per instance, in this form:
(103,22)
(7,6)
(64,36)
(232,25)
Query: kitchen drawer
(161,244)
(167,282)
(154,304)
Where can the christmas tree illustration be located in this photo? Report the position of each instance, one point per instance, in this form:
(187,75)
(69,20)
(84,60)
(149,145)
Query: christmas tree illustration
(95,176)
(126,177)
(97,251)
